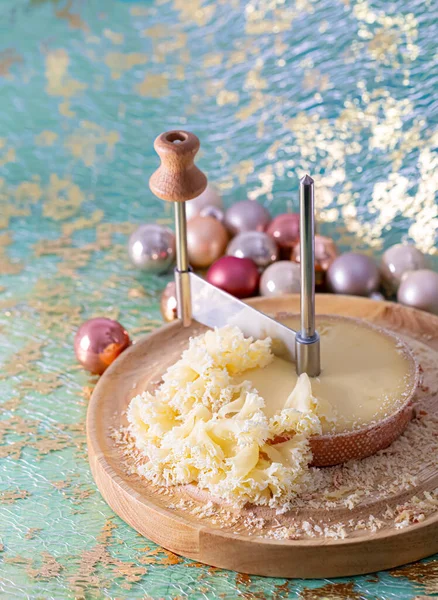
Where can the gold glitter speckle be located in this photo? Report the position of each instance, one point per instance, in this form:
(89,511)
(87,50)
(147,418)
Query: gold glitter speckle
(425,574)
(243,170)
(7,155)
(314,79)
(19,361)
(46,138)
(212,60)
(160,556)
(113,36)
(332,591)
(11,404)
(8,57)
(84,142)
(194,11)
(227,97)
(153,85)
(64,199)
(48,568)
(86,577)
(118,62)
(58,81)
(74,20)
(11,496)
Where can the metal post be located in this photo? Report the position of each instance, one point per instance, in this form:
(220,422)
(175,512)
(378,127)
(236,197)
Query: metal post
(182,278)
(307,340)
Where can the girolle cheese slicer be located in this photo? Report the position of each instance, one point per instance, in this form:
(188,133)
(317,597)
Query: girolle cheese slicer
(366,395)
(178,180)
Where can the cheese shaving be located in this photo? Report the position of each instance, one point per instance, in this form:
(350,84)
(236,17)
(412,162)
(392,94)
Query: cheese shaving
(202,427)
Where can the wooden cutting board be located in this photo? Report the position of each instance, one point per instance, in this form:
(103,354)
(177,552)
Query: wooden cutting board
(161,516)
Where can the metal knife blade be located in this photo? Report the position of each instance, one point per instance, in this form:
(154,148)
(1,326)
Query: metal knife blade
(215,308)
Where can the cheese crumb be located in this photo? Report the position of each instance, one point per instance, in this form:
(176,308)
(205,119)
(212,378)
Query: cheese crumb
(202,427)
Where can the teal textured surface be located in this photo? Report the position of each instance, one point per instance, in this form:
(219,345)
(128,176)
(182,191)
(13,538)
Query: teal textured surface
(343,89)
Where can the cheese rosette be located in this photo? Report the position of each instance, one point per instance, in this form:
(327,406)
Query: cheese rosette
(201,427)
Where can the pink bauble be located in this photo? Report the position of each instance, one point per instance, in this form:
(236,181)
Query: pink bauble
(285,230)
(237,276)
(98,342)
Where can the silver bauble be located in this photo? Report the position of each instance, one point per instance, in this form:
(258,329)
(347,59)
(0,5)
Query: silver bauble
(152,248)
(397,260)
(281,277)
(209,197)
(212,211)
(258,246)
(247,215)
(353,274)
(419,289)
(378,296)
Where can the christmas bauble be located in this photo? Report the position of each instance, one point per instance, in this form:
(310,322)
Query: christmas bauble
(285,230)
(209,197)
(152,248)
(237,276)
(282,277)
(396,261)
(98,342)
(213,211)
(325,253)
(255,245)
(207,240)
(420,290)
(168,302)
(354,274)
(377,296)
(247,215)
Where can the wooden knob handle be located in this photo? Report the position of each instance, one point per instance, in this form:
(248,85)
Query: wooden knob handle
(178,178)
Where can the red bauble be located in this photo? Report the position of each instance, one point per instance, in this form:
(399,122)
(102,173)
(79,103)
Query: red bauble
(98,342)
(285,230)
(237,276)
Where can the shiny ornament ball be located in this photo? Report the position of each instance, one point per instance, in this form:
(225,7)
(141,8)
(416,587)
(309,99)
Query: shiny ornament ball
(377,296)
(419,289)
(98,342)
(207,239)
(285,230)
(255,245)
(213,211)
(353,274)
(237,276)
(325,254)
(398,260)
(209,197)
(152,248)
(247,215)
(168,302)
(282,277)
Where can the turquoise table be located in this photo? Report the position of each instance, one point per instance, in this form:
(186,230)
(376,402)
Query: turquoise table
(343,89)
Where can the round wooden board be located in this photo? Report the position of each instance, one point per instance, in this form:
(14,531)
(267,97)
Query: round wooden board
(151,513)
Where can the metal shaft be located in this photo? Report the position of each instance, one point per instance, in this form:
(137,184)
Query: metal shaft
(182,278)
(307,340)
(307,257)
(182,256)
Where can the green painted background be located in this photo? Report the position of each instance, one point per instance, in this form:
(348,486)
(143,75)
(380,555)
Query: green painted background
(342,89)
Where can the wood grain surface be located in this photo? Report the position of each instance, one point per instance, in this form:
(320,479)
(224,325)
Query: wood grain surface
(153,514)
(177,179)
